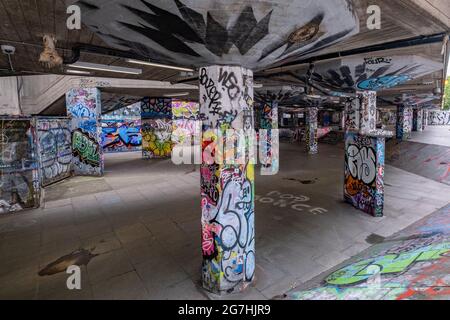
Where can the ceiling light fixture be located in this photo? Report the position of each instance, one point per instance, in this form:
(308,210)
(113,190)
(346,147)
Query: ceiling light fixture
(158,65)
(77,72)
(174,95)
(104,67)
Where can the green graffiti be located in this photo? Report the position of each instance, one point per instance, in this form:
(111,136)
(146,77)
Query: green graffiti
(85,148)
(387,264)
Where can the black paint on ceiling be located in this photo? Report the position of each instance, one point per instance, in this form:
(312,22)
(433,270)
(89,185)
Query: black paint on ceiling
(87,5)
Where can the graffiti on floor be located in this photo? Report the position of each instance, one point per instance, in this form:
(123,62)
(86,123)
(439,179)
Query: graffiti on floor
(19,166)
(121,135)
(426,160)
(439,118)
(55,149)
(299,203)
(413,265)
(364,173)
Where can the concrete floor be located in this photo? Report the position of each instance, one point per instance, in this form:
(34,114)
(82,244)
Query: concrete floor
(142,220)
(439,135)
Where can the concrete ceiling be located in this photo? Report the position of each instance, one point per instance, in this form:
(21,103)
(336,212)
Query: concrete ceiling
(23,23)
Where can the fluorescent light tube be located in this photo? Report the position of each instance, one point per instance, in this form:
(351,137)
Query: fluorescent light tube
(158,65)
(104,67)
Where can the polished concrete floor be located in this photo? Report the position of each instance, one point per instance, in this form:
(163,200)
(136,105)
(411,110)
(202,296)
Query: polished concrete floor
(438,135)
(142,223)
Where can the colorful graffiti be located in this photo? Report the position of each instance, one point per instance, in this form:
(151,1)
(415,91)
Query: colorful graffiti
(439,118)
(228,237)
(364,173)
(312,145)
(269,138)
(55,149)
(121,135)
(19,165)
(186,124)
(156,108)
(156,138)
(412,265)
(368,111)
(84,109)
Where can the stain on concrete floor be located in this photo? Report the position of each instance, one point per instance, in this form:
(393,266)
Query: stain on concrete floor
(77,258)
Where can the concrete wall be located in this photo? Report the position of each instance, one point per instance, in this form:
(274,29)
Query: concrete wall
(9,98)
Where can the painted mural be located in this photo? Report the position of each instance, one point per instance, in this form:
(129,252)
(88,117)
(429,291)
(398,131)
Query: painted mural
(228,237)
(186,123)
(202,32)
(55,149)
(19,165)
(156,108)
(368,115)
(121,135)
(413,265)
(269,138)
(417,120)
(439,118)
(156,138)
(84,109)
(364,173)
(369,73)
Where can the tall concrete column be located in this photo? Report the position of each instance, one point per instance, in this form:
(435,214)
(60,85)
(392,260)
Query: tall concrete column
(404,122)
(269,138)
(312,144)
(424,119)
(228,227)
(364,156)
(156,116)
(84,110)
(417,119)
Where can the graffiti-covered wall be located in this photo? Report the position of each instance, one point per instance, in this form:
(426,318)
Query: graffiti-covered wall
(55,149)
(19,165)
(186,122)
(439,118)
(84,109)
(364,173)
(121,135)
(156,128)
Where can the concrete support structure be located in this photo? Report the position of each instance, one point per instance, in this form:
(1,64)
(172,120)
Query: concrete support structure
(417,119)
(364,156)
(269,138)
(9,96)
(84,110)
(156,114)
(312,144)
(425,119)
(404,122)
(228,227)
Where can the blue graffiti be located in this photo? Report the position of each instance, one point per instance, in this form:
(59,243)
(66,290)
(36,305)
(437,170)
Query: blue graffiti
(383,82)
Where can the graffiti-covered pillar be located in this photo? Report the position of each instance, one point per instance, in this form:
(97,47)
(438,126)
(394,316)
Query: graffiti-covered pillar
(156,115)
(227,187)
(364,155)
(404,122)
(269,138)
(417,120)
(424,119)
(312,125)
(84,110)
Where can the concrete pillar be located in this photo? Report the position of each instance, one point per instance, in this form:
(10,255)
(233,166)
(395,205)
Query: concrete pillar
(364,155)
(228,227)
(84,110)
(404,122)
(269,138)
(368,111)
(425,119)
(364,172)
(156,114)
(9,96)
(312,144)
(417,120)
